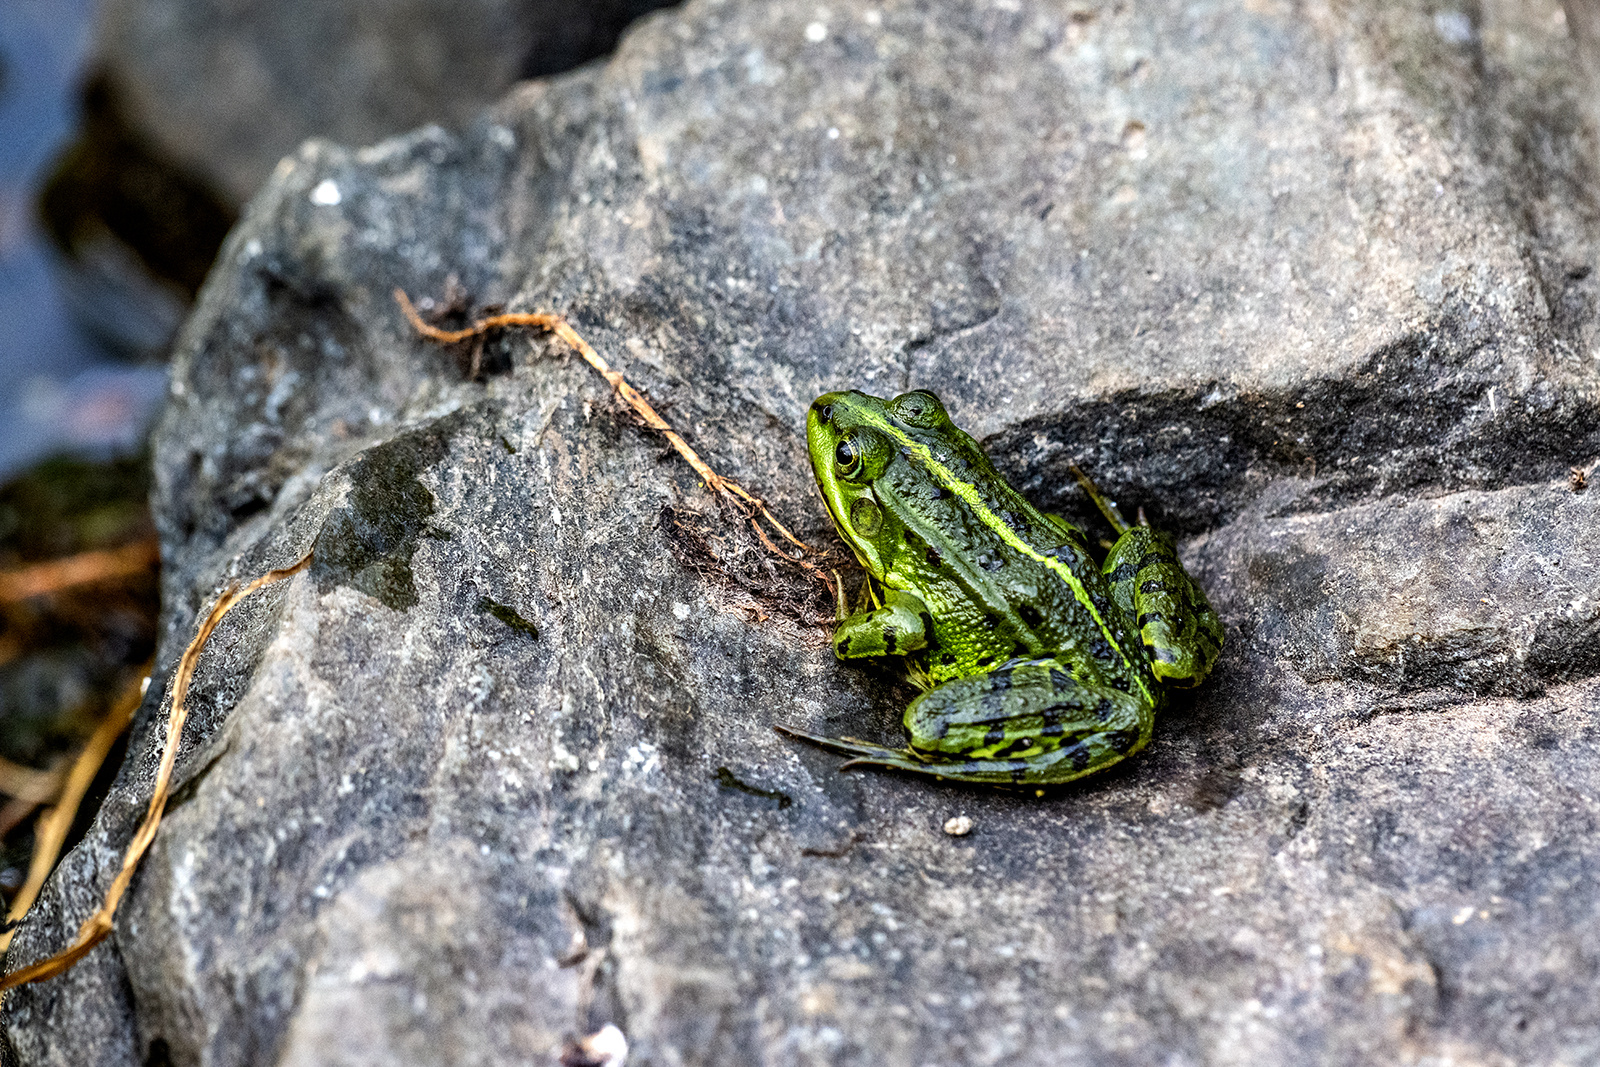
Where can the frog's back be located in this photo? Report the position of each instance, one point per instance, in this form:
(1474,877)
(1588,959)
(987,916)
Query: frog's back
(1002,580)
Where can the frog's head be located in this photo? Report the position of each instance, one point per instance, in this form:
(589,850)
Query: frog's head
(852,440)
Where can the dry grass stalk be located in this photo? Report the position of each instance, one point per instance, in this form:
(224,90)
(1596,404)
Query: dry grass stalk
(50,832)
(84,568)
(747,504)
(97,927)
(29,783)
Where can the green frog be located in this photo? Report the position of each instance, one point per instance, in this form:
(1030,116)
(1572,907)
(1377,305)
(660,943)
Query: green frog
(1038,665)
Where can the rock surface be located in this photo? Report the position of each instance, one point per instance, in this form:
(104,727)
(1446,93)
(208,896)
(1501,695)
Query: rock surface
(1313,285)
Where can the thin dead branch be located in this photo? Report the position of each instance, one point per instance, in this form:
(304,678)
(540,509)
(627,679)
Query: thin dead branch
(97,927)
(747,504)
(29,783)
(84,568)
(50,832)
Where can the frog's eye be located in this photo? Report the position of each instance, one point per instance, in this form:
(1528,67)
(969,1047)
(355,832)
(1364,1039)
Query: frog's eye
(920,409)
(848,456)
(861,455)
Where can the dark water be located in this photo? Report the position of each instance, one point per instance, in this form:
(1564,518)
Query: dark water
(61,389)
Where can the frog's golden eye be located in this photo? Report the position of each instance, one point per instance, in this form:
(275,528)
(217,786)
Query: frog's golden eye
(861,455)
(920,409)
(848,456)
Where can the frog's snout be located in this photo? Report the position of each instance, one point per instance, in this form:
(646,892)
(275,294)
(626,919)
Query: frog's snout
(822,407)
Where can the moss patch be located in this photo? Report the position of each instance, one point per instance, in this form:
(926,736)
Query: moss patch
(368,543)
(507,615)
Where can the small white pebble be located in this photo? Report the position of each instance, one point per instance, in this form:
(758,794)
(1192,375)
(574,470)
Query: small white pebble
(817,32)
(958,825)
(606,1047)
(326,194)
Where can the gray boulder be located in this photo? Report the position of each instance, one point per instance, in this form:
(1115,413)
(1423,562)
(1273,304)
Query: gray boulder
(1312,286)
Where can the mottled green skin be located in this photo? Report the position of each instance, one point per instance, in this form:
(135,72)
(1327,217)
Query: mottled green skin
(1040,665)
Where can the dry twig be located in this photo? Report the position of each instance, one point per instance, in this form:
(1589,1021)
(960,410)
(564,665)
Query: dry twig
(98,926)
(50,832)
(747,504)
(29,783)
(84,568)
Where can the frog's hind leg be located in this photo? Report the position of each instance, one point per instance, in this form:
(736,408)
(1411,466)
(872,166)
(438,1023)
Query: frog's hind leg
(1061,765)
(1030,722)
(1177,625)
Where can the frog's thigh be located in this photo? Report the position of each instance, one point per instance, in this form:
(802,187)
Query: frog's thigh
(1169,609)
(900,626)
(1029,723)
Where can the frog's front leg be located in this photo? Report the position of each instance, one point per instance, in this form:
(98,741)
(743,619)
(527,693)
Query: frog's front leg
(1180,631)
(900,626)
(1030,722)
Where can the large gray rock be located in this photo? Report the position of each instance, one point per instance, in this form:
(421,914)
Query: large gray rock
(1313,286)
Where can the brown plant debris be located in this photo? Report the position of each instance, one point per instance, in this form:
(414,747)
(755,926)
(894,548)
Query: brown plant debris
(29,783)
(50,832)
(748,505)
(84,568)
(98,926)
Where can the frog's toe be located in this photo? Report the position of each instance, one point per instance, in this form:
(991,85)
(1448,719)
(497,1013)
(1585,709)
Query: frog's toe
(865,754)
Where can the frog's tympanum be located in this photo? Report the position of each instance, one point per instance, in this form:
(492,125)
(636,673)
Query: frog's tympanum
(1040,665)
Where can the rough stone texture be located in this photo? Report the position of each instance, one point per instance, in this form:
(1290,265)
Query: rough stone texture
(1312,284)
(225,90)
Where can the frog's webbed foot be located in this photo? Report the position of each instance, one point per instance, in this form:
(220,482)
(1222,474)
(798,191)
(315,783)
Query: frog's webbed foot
(865,754)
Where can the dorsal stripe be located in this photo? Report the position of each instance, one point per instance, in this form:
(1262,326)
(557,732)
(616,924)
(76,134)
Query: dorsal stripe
(914,449)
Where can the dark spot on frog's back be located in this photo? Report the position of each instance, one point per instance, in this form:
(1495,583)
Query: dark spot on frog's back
(368,543)
(1030,615)
(1122,741)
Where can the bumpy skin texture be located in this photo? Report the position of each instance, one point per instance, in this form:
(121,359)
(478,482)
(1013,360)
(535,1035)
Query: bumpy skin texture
(1043,666)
